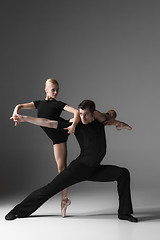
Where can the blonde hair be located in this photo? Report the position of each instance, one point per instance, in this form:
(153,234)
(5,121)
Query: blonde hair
(51,80)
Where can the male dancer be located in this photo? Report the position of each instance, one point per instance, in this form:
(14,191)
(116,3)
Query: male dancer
(91,137)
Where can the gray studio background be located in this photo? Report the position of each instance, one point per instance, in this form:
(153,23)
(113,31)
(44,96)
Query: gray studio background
(105,50)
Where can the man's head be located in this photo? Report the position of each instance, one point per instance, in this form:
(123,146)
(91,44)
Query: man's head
(51,88)
(86,109)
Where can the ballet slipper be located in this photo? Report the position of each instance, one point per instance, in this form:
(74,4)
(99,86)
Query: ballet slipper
(64,205)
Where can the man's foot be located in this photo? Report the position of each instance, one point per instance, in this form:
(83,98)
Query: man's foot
(128,217)
(11,215)
(64,205)
(122,125)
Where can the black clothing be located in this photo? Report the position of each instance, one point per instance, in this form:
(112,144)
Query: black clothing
(52,109)
(86,167)
(92,140)
(77,172)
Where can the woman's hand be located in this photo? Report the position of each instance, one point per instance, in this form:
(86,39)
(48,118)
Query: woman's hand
(17,118)
(71,129)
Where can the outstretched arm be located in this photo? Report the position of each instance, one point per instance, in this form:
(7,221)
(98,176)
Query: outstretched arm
(36,121)
(104,118)
(109,118)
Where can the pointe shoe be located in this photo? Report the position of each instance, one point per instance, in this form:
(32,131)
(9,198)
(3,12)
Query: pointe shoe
(128,217)
(64,205)
(122,125)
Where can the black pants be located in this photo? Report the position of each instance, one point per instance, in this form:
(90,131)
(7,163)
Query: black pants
(77,172)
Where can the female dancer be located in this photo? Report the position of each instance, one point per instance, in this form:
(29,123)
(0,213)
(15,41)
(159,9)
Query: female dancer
(51,108)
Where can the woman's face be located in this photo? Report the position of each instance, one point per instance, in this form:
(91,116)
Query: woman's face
(51,90)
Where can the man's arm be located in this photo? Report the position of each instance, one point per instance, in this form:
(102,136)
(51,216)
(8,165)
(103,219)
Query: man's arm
(109,118)
(36,121)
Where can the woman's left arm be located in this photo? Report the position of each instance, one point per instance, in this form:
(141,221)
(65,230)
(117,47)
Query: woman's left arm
(43,122)
(75,119)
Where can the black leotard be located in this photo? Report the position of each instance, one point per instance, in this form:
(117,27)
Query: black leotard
(52,109)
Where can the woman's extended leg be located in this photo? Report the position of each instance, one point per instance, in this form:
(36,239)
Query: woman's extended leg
(60,153)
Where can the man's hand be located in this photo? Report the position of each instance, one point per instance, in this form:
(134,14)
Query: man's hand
(17,118)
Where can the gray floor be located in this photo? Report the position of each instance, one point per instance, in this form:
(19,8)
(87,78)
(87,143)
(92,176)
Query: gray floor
(92,215)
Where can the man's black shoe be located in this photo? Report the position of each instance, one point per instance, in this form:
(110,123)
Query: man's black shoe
(11,215)
(128,217)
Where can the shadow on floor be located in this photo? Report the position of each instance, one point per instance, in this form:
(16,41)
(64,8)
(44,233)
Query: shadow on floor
(148,214)
(89,215)
(143,215)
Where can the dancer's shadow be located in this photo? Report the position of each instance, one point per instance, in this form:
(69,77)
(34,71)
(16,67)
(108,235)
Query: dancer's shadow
(143,215)
(148,215)
(44,216)
(103,214)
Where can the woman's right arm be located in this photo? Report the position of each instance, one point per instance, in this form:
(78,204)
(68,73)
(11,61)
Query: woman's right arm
(18,107)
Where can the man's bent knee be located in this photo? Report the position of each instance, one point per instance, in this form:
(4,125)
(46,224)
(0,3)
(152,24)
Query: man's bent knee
(125,173)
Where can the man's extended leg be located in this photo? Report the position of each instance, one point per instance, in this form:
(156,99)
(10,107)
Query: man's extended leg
(73,174)
(109,173)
